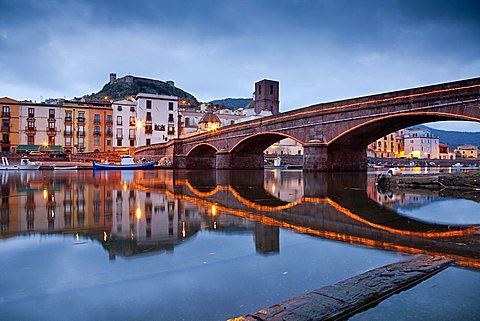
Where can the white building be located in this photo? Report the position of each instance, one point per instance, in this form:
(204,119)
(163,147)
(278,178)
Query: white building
(156,118)
(40,124)
(419,143)
(124,126)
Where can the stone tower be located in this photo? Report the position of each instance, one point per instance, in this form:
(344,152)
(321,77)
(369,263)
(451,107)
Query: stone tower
(113,77)
(266,96)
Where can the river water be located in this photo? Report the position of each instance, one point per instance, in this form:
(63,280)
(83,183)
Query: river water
(212,245)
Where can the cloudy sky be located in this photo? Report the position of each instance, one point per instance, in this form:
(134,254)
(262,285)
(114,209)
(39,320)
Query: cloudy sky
(318,50)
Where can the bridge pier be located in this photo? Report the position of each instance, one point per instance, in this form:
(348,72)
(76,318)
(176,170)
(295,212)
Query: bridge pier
(319,158)
(226,160)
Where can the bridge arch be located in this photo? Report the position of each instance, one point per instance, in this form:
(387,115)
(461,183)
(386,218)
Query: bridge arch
(201,156)
(361,135)
(248,152)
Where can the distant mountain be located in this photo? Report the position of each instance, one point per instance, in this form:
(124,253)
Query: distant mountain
(232,103)
(131,86)
(454,139)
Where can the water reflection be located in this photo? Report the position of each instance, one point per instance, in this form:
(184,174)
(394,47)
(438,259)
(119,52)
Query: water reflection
(140,213)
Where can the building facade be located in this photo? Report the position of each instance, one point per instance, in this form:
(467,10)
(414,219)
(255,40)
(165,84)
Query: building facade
(40,124)
(467,151)
(124,126)
(419,143)
(10,124)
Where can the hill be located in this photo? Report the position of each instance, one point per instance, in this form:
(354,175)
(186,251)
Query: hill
(232,103)
(454,139)
(131,86)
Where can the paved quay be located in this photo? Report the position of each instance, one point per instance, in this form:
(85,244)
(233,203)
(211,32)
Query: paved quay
(347,297)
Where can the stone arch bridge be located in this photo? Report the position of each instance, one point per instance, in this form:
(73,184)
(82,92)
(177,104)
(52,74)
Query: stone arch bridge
(334,135)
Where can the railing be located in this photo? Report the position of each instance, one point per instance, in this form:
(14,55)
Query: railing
(95,133)
(51,130)
(30,129)
(5,128)
(109,133)
(68,119)
(109,121)
(81,119)
(96,121)
(5,114)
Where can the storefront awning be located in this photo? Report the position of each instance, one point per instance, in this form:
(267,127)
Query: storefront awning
(40,148)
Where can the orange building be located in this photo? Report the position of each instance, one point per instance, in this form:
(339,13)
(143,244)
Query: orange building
(10,124)
(100,119)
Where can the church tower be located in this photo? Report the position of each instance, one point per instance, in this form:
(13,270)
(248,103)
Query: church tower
(266,96)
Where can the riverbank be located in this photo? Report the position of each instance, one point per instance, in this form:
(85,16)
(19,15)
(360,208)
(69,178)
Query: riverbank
(454,181)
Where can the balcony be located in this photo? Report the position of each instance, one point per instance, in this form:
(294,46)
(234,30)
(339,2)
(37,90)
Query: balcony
(51,131)
(5,129)
(6,114)
(81,119)
(96,121)
(109,133)
(96,133)
(109,121)
(148,129)
(132,124)
(30,129)
(68,133)
(81,134)
(68,119)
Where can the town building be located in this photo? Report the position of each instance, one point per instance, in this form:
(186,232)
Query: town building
(156,119)
(389,146)
(124,127)
(445,153)
(419,143)
(10,124)
(466,151)
(40,125)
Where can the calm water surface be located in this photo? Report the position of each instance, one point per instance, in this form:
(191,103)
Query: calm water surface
(210,245)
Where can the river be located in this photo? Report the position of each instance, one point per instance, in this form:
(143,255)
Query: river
(212,245)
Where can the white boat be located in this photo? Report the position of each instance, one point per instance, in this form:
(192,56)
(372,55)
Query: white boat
(457,165)
(65,168)
(25,164)
(394,171)
(126,163)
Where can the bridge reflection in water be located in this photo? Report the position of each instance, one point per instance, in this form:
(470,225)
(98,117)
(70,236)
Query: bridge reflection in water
(133,213)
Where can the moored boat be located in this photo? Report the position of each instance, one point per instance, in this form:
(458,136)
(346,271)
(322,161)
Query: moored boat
(126,163)
(25,164)
(65,168)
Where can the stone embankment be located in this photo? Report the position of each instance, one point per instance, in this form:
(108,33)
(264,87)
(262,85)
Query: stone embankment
(460,181)
(347,297)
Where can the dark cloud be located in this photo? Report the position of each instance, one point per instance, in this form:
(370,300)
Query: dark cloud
(318,50)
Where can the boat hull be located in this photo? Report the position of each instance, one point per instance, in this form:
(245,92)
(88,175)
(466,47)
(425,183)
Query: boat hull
(65,168)
(19,167)
(149,165)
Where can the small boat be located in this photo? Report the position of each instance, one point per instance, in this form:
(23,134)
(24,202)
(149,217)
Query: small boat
(25,164)
(457,165)
(65,168)
(126,163)
(394,171)
(277,164)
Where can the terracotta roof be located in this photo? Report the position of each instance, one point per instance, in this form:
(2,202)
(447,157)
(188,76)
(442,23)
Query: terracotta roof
(210,117)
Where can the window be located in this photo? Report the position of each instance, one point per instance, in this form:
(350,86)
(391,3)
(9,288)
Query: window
(132,108)
(109,119)
(149,104)
(31,124)
(119,120)
(119,133)
(68,129)
(81,142)
(5,138)
(131,133)
(31,140)
(96,141)
(68,115)
(96,130)
(109,142)
(187,122)
(68,141)
(148,141)
(232,122)
(149,116)
(132,121)
(271,89)
(259,89)
(6,123)
(132,142)
(51,125)
(170,118)
(51,140)
(81,129)
(31,112)
(81,116)
(119,108)
(51,113)
(96,119)
(170,105)
(6,110)
(119,142)
(109,130)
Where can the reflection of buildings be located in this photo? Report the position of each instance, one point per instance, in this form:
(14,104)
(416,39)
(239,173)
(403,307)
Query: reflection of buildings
(283,186)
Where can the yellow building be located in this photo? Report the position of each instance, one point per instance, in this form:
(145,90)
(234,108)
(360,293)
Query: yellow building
(389,146)
(467,151)
(10,124)
(76,127)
